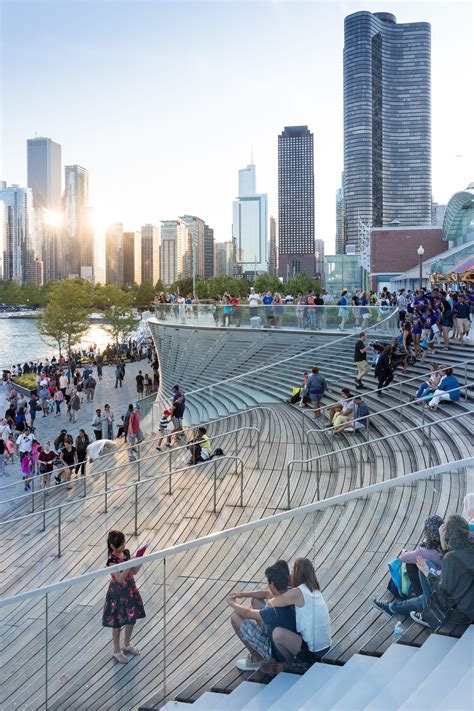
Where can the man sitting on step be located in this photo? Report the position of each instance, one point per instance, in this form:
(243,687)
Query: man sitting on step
(255,627)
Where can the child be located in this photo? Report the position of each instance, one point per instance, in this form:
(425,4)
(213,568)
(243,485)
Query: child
(35,450)
(51,404)
(123,604)
(163,428)
(27,467)
(10,449)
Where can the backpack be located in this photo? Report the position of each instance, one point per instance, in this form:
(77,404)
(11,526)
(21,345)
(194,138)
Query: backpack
(218,452)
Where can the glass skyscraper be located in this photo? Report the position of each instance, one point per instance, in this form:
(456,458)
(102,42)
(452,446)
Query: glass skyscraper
(249,224)
(44,172)
(387,121)
(295,201)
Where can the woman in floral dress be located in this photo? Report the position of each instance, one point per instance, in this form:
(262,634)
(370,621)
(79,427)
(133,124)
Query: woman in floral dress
(123,604)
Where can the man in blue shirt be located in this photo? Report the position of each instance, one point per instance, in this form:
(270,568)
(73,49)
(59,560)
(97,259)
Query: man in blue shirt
(255,627)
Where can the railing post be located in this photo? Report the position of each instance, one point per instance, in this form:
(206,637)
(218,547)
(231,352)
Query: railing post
(46,649)
(361,468)
(237,445)
(164,630)
(215,486)
(241,483)
(85,484)
(258,449)
(138,462)
(59,532)
(32,494)
(318,476)
(400,402)
(288,486)
(44,509)
(105,490)
(136,508)
(429,446)
(465,381)
(423,420)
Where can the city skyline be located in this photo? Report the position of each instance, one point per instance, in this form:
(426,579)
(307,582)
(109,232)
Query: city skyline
(162,151)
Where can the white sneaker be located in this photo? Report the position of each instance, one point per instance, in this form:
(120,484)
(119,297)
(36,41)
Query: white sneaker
(247,664)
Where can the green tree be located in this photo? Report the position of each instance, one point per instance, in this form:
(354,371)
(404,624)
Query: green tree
(184,286)
(65,318)
(265,282)
(121,321)
(10,293)
(32,295)
(301,284)
(144,295)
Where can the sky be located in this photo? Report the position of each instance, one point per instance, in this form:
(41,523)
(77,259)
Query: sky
(163,102)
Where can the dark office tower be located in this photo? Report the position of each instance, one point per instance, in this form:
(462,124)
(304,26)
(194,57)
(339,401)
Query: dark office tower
(273,249)
(295,201)
(44,172)
(208,252)
(387,121)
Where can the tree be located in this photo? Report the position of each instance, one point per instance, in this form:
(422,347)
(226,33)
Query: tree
(10,293)
(121,321)
(265,282)
(144,295)
(301,284)
(65,318)
(184,286)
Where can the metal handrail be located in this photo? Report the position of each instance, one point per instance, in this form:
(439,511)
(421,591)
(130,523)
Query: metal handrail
(134,484)
(465,363)
(286,360)
(331,429)
(138,461)
(359,445)
(242,528)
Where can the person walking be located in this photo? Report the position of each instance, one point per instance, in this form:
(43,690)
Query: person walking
(384,370)
(46,459)
(90,384)
(107,423)
(140,382)
(134,434)
(68,458)
(123,603)
(74,405)
(82,442)
(2,456)
(315,387)
(360,359)
(97,424)
(343,312)
(24,443)
(126,420)
(118,375)
(33,409)
(58,398)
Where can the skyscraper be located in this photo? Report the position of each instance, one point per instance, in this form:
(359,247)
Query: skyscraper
(3,237)
(150,253)
(295,201)
(341,224)
(249,224)
(273,249)
(44,172)
(208,252)
(78,250)
(319,259)
(387,121)
(19,248)
(224,258)
(114,254)
(132,258)
(175,241)
(194,255)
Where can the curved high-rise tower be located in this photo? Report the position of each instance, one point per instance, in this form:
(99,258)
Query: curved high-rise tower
(387,121)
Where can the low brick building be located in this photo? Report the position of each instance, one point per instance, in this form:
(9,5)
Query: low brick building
(393,250)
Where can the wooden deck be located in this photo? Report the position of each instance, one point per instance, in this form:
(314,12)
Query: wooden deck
(350,545)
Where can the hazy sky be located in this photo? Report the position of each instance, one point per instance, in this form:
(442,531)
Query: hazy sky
(163,101)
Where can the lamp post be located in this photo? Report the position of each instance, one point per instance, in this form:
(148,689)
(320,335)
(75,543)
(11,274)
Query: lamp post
(420,251)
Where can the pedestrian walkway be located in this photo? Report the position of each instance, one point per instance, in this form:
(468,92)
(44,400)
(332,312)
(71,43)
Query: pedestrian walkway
(49,427)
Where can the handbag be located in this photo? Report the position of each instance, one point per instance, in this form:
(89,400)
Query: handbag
(399,578)
(435,613)
(43,468)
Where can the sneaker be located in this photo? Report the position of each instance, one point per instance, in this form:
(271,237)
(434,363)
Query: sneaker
(383,606)
(416,617)
(158,449)
(247,664)
(168,446)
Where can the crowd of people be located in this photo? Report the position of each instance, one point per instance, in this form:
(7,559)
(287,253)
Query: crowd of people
(434,583)
(63,389)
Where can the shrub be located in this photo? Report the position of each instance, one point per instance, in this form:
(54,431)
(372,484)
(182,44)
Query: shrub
(26,381)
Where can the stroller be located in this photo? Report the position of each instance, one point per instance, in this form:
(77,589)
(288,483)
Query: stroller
(399,353)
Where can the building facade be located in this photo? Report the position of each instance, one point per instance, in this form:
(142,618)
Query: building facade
(249,225)
(208,252)
(194,256)
(341,223)
(224,258)
(387,122)
(132,258)
(175,245)
(44,172)
(295,201)
(114,254)
(19,252)
(78,248)
(319,260)
(273,248)
(150,253)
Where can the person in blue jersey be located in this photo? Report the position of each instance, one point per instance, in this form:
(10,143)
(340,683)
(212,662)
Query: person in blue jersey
(448,389)
(343,311)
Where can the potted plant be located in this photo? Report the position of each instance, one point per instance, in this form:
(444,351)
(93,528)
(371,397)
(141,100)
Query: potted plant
(25,384)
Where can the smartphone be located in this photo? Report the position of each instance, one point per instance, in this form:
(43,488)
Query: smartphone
(141,551)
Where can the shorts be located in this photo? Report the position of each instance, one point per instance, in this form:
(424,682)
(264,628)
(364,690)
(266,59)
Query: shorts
(362,368)
(305,655)
(316,397)
(257,637)
(177,422)
(463,325)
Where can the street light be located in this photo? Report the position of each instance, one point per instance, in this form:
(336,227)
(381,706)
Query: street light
(420,251)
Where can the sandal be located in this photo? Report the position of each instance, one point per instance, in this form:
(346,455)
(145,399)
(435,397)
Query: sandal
(131,650)
(120,657)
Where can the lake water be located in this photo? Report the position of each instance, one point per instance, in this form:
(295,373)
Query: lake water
(20,341)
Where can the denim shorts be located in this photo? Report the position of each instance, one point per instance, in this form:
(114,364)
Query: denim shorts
(257,637)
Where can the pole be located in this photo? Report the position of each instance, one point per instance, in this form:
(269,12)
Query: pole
(169,480)
(288,486)
(59,532)
(44,509)
(138,462)
(215,485)
(46,643)
(32,494)
(105,491)
(136,508)
(242,484)
(164,629)
(421,271)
